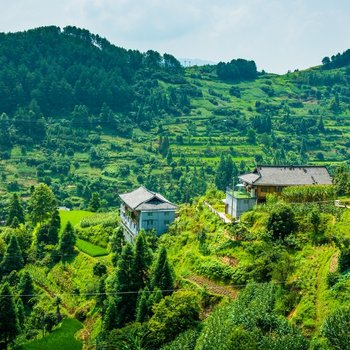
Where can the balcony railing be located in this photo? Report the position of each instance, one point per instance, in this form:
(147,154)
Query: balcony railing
(128,223)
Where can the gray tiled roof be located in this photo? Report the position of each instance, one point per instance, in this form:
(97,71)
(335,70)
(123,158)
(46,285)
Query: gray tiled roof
(144,199)
(288,176)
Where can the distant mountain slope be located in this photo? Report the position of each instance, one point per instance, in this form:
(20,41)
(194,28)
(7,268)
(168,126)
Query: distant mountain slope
(86,116)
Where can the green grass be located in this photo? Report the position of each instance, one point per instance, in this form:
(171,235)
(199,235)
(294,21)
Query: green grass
(91,249)
(61,338)
(74,216)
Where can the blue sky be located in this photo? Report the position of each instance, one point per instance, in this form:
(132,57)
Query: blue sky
(280,35)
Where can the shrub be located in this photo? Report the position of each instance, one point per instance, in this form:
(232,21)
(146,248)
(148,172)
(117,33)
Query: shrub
(281,222)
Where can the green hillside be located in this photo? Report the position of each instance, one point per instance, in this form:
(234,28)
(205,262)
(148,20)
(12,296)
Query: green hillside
(82,121)
(163,126)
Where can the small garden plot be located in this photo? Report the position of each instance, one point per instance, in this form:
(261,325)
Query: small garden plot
(91,249)
(61,338)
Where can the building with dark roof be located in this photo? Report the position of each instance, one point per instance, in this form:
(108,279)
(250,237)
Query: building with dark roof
(145,209)
(272,179)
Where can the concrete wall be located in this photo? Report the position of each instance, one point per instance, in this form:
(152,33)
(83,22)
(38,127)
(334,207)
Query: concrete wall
(237,206)
(158,220)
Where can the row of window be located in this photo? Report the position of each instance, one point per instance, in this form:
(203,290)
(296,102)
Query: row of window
(153,222)
(150,213)
(266,189)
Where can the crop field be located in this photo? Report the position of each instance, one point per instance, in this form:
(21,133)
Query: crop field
(61,338)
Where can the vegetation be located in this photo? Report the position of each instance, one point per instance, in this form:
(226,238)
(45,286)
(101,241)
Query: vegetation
(86,120)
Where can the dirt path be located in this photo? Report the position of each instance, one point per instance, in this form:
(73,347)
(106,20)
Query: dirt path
(334,262)
(212,286)
(222,216)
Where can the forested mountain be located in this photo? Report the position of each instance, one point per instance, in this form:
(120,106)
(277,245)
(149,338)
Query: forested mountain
(82,120)
(80,112)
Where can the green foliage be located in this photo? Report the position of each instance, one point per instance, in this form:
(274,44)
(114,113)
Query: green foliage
(67,241)
(124,283)
(9,324)
(142,261)
(15,210)
(341,180)
(13,258)
(42,204)
(312,193)
(173,315)
(90,249)
(25,287)
(336,329)
(186,340)
(281,221)
(94,204)
(250,322)
(225,172)
(162,276)
(239,69)
(61,338)
(104,219)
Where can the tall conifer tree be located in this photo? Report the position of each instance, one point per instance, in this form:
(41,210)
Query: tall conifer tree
(9,324)
(15,210)
(142,261)
(13,258)
(67,240)
(125,286)
(163,275)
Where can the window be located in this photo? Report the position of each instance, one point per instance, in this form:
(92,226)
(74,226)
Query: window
(149,213)
(279,189)
(166,222)
(264,189)
(166,213)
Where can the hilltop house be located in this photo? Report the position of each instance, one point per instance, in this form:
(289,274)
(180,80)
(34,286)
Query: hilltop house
(271,179)
(144,209)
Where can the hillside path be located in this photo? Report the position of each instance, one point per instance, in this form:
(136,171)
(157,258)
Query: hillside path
(212,286)
(221,215)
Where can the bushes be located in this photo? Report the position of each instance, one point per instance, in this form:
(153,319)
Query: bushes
(281,222)
(312,193)
(336,329)
(97,235)
(215,270)
(250,323)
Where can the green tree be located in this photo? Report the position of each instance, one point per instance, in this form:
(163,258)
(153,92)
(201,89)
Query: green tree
(162,277)
(13,258)
(125,282)
(20,312)
(99,269)
(9,324)
(67,240)
(225,173)
(142,261)
(281,221)
(117,241)
(142,306)
(173,315)
(315,219)
(94,204)
(109,320)
(25,287)
(42,204)
(15,210)
(336,329)
(54,227)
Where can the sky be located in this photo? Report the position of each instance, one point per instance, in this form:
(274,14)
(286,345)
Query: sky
(279,35)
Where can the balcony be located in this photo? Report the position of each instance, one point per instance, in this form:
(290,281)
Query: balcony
(131,227)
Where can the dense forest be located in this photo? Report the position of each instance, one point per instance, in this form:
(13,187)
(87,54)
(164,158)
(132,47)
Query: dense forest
(82,121)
